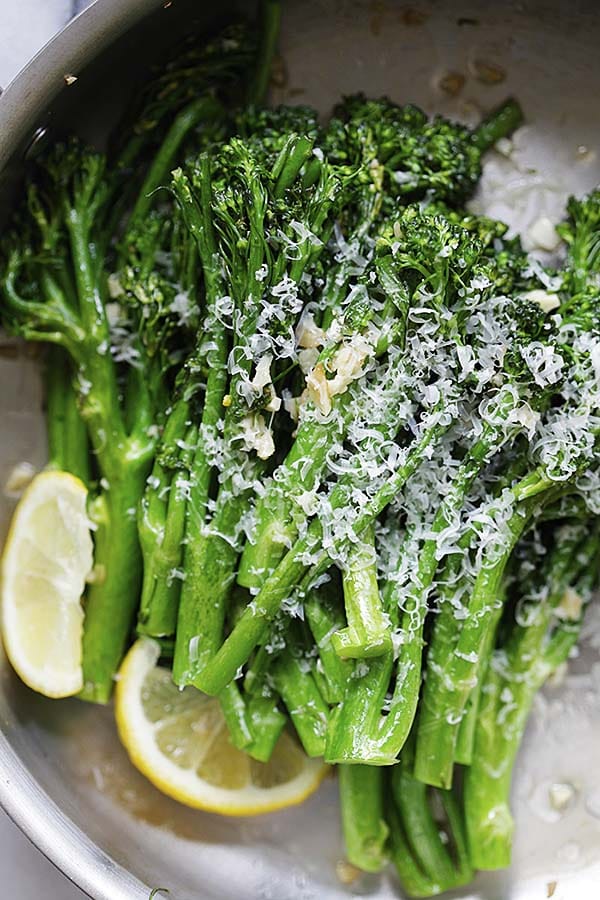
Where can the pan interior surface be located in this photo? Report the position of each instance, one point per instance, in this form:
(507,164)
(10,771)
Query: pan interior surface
(99,812)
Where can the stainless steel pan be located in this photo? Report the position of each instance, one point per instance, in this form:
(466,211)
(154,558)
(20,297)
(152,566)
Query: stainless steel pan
(63,777)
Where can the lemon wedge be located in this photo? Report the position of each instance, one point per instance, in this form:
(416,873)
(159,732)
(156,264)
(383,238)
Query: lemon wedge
(178,739)
(46,560)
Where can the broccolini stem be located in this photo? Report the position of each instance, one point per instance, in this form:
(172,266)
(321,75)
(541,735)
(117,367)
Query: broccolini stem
(266,719)
(254,723)
(209,566)
(161,528)
(368,631)
(303,468)
(466,729)
(438,865)
(531,655)
(113,597)
(413,880)
(448,687)
(68,447)
(254,622)
(290,161)
(363,823)
(203,109)
(197,610)
(212,550)
(421,829)
(325,617)
(212,570)
(270,17)
(453,590)
(306,707)
(236,716)
(123,460)
(487,780)
(267,722)
(388,733)
(458,831)
(500,123)
(98,387)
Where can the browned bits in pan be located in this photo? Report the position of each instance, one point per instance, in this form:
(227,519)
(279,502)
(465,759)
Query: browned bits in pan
(452,83)
(279,75)
(346,872)
(487,72)
(411,16)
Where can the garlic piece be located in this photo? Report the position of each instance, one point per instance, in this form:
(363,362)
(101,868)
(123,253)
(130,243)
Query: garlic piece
(257,435)
(274,404)
(262,375)
(544,299)
(347,364)
(543,235)
(308,333)
(318,388)
(307,359)
(18,479)
(570,606)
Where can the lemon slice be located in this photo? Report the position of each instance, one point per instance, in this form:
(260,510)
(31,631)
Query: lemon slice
(47,556)
(179,741)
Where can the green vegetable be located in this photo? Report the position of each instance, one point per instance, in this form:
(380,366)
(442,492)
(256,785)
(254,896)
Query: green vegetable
(342,463)
(363,823)
(429,851)
(544,626)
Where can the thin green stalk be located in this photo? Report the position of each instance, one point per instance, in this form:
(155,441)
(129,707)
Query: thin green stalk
(98,387)
(500,123)
(212,550)
(254,719)
(112,599)
(453,590)
(446,630)
(216,550)
(203,109)
(124,460)
(160,532)
(68,447)
(236,716)
(363,823)
(441,864)
(287,668)
(448,688)
(278,517)
(210,570)
(267,722)
(253,625)
(466,730)
(413,880)
(254,723)
(458,830)
(306,707)
(360,733)
(270,18)
(531,654)
(368,632)
(324,616)
(199,614)
(421,829)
